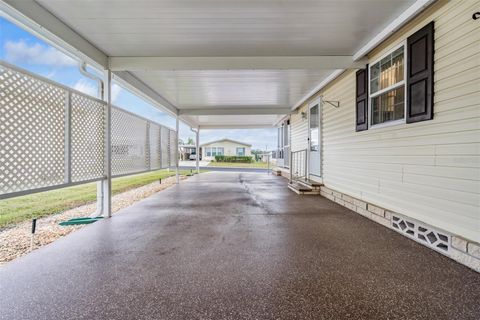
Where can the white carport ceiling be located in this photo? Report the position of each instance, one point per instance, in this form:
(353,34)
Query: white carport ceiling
(232,88)
(314,38)
(190,28)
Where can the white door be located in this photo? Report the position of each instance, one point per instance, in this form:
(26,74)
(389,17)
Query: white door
(314,139)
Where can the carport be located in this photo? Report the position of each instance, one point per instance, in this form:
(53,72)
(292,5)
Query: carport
(234,65)
(220,245)
(236,246)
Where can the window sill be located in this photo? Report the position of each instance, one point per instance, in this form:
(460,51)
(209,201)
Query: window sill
(387,124)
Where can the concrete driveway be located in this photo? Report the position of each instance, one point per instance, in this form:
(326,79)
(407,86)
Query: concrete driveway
(237,246)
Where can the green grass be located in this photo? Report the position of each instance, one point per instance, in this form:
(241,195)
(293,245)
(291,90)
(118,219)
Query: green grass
(42,204)
(239,164)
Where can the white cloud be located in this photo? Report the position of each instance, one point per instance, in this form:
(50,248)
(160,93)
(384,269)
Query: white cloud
(22,52)
(116,89)
(50,75)
(91,89)
(86,87)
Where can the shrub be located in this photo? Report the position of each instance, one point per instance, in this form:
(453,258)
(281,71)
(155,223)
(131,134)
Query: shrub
(242,159)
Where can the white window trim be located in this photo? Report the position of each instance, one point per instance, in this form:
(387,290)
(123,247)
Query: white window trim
(396,85)
(244,151)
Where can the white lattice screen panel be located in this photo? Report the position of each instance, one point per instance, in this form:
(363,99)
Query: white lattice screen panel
(173,147)
(32,132)
(88,138)
(154,139)
(52,136)
(129,143)
(165,140)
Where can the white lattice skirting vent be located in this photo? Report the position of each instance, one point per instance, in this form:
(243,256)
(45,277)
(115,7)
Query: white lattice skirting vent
(422,233)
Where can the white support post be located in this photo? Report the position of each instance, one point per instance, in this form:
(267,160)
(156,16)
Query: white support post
(197,151)
(176,150)
(107,182)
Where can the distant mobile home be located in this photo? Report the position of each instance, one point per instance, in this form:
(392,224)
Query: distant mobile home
(226,147)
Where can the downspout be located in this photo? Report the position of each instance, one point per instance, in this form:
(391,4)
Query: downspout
(82,67)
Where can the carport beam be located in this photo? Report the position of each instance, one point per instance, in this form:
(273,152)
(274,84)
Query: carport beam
(176,151)
(197,151)
(107,182)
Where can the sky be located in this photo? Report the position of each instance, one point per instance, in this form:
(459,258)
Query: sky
(23,49)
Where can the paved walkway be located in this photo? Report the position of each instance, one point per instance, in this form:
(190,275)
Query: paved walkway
(192,163)
(237,246)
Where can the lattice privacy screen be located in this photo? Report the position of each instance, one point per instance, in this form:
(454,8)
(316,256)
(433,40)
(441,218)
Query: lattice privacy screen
(32,128)
(173,151)
(129,143)
(88,138)
(52,136)
(165,142)
(154,139)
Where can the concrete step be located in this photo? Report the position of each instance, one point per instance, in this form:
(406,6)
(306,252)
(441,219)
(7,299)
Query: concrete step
(299,188)
(276,172)
(310,183)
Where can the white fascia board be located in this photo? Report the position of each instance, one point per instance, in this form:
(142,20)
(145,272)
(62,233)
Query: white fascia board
(236,111)
(332,76)
(236,126)
(232,63)
(396,24)
(132,83)
(39,21)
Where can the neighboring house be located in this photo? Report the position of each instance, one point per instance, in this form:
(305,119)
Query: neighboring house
(227,147)
(186,150)
(398,141)
(265,156)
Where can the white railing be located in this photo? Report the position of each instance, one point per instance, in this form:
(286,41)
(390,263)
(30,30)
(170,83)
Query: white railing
(298,165)
(52,136)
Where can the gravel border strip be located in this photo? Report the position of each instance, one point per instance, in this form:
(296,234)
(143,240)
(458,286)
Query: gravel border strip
(15,241)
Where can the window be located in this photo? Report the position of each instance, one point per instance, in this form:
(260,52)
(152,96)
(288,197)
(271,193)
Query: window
(387,88)
(240,152)
(214,151)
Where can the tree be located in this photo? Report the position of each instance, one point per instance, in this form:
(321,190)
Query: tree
(256,153)
(190,141)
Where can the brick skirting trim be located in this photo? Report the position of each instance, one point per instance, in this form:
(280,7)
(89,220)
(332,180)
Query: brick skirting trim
(457,248)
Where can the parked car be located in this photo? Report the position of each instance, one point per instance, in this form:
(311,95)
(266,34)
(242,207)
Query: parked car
(193,156)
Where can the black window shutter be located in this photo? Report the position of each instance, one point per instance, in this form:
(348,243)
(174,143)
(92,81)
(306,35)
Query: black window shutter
(420,50)
(361,105)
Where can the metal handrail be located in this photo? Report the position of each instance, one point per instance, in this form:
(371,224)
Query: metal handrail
(298,165)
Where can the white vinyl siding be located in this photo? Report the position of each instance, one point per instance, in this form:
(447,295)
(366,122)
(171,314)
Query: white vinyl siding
(299,130)
(428,170)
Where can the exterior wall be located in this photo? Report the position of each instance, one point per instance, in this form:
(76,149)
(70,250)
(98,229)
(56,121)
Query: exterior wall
(430,170)
(230,149)
(461,250)
(298,130)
